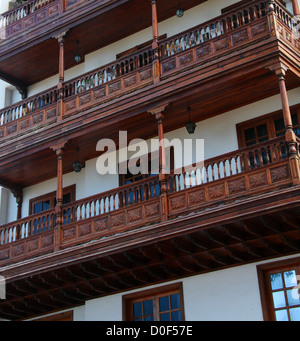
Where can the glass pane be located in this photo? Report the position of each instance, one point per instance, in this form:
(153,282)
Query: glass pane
(295,119)
(290,279)
(250,134)
(295,314)
(279,124)
(165,317)
(149,318)
(137,309)
(281,315)
(176,315)
(175,301)
(276,281)
(293,297)
(46,205)
(279,299)
(37,208)
(164,303)
(262,130)
(148,307)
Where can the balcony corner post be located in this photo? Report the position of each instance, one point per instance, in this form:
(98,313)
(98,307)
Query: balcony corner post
(159,115)
(155,47)
(271,18)
(290,136)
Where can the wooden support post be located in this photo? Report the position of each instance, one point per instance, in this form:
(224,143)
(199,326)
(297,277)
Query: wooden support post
(290,136)
(59,149)
(60,87)
(296,9)
(159,115)
(156,62)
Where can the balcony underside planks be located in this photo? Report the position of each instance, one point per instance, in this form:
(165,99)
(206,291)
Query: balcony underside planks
(245,231)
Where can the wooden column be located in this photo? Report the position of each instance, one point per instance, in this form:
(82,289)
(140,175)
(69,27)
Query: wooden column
(156,63)
(290,136)
(60,87)
(296,9)
(159,115)
(59,149)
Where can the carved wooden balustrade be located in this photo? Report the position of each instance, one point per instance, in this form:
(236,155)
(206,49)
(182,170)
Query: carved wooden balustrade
(213,28)
(33,111)
(249,171)
(129,72)
(28,14)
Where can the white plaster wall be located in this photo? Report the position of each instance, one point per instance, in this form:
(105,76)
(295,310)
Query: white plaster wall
(225,295)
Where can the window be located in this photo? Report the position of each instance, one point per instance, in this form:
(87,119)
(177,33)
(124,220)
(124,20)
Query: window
(159,304)
(48,201)
(267,127)
(279,286)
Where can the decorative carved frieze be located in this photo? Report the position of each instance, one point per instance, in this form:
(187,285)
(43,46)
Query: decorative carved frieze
(279,173)
(135,215)
(114,87)
(152,210)
(69,234)
(216,191)
(237,186)
(145,74)
(84,229)
(239,37)
(258,179)
(101,225)
(177,202)
(117,220)
(169,65)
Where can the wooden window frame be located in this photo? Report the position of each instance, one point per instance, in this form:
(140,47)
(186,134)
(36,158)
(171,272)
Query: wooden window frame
(52,197)
(155,294)
(268,119)
(264,271)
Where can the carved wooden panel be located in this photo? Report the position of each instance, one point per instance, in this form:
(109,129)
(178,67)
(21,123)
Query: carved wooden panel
(258,179)
(279,173)
(237,186)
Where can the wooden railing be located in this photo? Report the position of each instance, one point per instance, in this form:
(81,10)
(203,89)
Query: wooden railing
(227,165)
(28,106)
(109,201)
(27,227)
(213,28)
(22,11)
(242,173)
(234,163)
(109,72)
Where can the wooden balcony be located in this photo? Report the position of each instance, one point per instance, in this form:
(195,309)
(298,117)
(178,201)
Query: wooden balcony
(195,49)
(219,181)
